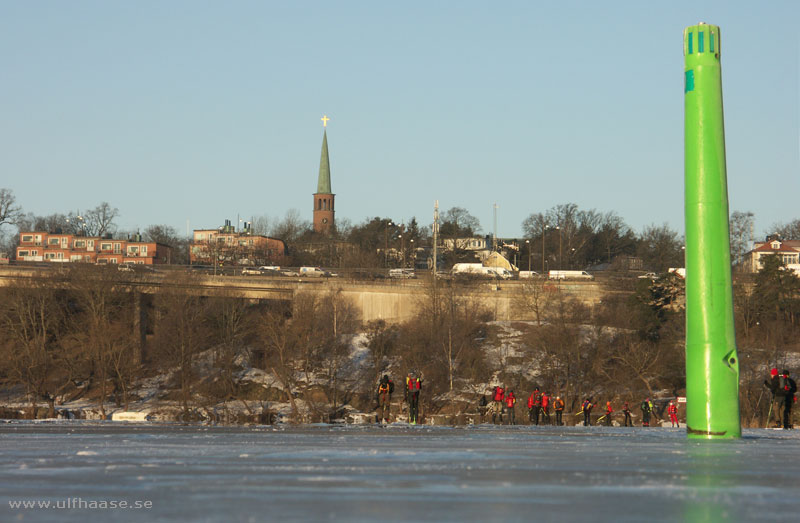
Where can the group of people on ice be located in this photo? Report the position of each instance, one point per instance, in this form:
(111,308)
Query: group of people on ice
(502,406)
(539,405)
(412,388)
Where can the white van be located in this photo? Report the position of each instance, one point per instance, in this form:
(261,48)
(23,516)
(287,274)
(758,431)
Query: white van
(314,272)
(570,275)
(499,272)
(402,273)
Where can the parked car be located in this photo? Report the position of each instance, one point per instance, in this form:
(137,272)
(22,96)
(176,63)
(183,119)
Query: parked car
(402,273)
(135,267)
(649,276)
(288,272)
(251,271)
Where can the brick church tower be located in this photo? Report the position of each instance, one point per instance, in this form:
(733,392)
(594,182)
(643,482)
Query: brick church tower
(323,198)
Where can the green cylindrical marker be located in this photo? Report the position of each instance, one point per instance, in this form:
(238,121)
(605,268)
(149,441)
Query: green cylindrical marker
(712,365)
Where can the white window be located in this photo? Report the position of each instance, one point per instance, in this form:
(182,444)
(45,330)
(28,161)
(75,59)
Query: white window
(27,238)
(133,250)
(80,244)
(53,241)
(117,248)
(144,250)
(105,246)
(64,242)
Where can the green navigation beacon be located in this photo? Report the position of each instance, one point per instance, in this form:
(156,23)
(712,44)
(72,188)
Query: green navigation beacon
(712,365)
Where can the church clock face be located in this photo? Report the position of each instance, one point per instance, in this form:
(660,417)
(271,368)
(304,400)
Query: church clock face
(324,220)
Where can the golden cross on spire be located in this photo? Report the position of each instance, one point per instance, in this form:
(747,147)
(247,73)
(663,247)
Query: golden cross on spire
(325,120)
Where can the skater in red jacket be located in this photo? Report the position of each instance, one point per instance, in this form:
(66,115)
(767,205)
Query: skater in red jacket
(672,410)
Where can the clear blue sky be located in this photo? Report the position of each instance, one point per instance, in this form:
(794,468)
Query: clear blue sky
(200,110)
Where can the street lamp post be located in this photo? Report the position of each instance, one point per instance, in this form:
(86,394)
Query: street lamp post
(544,229)
(403,250)
(560,258)
(386,245)
(413,253)
(528,245)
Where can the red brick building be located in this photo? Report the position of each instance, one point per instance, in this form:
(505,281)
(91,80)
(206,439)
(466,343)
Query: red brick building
(63,248)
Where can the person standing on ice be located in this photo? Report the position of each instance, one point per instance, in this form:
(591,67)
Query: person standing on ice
(608,413)
(497,403)
(627,411)
(558,406)
(510,401)
(586,408)
(789,388)
(384,395)
(778,397)
(546,409)
(413,386)
(672,410)
(534,405)
(646,412)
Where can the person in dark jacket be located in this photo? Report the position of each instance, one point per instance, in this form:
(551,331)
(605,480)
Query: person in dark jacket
(627,411)
(789,389)
(777,400)
(646,408)
(384,396)
(586,408)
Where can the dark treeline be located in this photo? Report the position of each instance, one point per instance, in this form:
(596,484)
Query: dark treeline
(77,334)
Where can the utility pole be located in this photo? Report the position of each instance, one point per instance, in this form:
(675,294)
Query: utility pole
(494,233)
(435,236)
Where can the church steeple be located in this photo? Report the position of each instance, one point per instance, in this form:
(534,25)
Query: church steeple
(324,182)
(323,198)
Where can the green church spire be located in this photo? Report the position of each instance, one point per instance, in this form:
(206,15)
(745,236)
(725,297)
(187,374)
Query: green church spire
(324,182)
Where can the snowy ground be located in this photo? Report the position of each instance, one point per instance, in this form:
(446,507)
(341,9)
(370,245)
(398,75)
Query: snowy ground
(367,473)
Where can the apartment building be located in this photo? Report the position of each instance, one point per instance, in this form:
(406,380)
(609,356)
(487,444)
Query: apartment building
(63,248)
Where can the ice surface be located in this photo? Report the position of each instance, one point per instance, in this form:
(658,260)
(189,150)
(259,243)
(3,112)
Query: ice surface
(397,472)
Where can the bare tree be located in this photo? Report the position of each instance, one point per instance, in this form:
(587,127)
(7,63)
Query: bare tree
(181,333)
(291,227)
(741,234)
(10,212)
(100,220)
(33,327)
(533,297)
(660,248)
(787,231)
(103,323)
(228,317)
